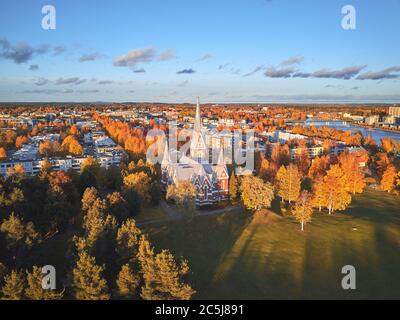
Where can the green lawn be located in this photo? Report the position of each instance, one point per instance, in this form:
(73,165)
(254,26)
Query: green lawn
(232,257)
(150,213)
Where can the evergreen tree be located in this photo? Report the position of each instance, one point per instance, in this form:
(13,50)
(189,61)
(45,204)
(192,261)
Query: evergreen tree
(162,275)
(127,282)
(117,206)
(88,282)
(14,230)
(128,236)
(139,182)
(97,223)
(35,291)
(3,272)
(14,285)
(90,195)
(86,180)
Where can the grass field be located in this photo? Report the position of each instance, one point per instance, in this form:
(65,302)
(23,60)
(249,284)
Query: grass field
(151,213)
(234,257)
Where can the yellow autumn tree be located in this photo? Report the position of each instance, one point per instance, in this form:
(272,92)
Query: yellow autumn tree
(318,199)
(139,182)
(388,180)
(255,193)
(75,148)
(303,209)
(66,142)
(163,276)
(387,144)
(354,175)
(74,130)
(3,153)
(184,194)
(288,182)
(335,189)
(88,281)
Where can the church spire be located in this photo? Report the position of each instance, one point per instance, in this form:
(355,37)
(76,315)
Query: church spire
(221,160)
(166,159)
(198,149)
(197,120)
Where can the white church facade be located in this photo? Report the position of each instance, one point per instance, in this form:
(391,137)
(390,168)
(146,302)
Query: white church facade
(211,180)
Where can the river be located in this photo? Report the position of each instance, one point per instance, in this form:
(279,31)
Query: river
(376,134)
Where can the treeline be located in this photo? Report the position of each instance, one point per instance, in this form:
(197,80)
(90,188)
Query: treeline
(91,215)
(326,183)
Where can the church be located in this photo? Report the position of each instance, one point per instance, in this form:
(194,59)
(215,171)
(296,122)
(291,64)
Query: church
(211,180)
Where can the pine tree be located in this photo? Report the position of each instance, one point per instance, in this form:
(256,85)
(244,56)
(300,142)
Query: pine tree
(96,223)
(139,182)
(14,230)
(303,210)
(89,197)
(128,236)
(127,282)
(288,183)
(117,206)
(233,187)
(35,291)
(14,285)
(3,272)
(162,275)
(88,282)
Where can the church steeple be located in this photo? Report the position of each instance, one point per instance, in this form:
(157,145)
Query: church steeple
(197,119)
(198,148)
(166,159)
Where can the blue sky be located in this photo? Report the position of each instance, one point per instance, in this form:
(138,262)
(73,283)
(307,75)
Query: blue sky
(223,51)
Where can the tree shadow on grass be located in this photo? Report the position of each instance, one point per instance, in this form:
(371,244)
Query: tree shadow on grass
(204,241)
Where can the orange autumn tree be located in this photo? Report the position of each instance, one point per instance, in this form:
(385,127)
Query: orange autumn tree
(288,182)
(264,167)
(303,209)
(387,144)
(20,141)
(353,174)
(45,147)
(303,161)
(335,190)
(3,153)
(71,145)
(388,181)
(318,199)
(382,162)
(74,130)
(319,166)
(75,148)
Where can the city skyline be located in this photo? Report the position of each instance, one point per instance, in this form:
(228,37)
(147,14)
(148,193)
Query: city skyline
(225,52)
